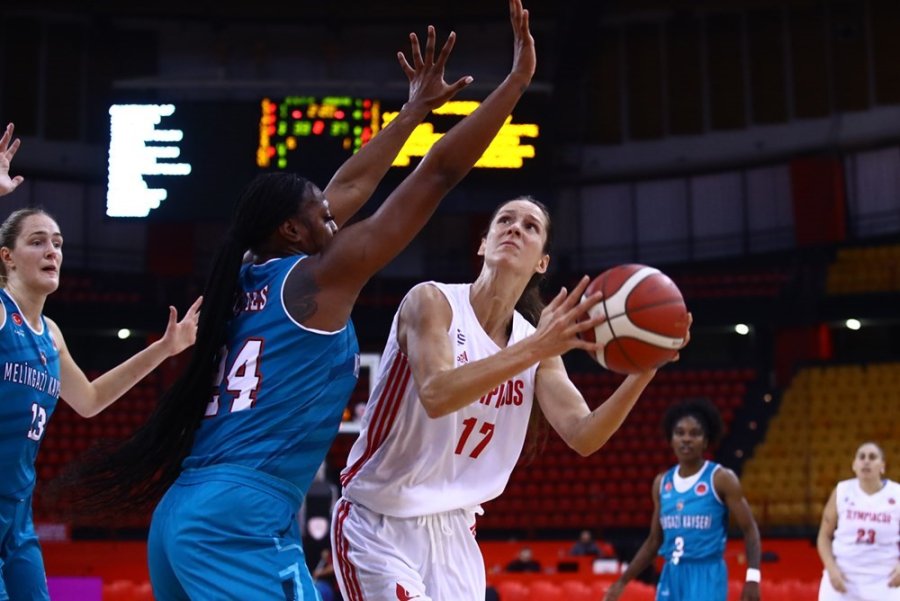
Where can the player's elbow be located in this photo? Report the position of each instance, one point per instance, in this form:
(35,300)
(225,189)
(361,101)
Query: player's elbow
(586,444)
(85,410)
(434,403)
(584,449)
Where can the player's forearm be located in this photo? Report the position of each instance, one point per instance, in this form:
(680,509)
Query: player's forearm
(110,386)
(823,545)
(640,561)
(454,155)
(355,181)
(752,546)
(601,423)
(449,390)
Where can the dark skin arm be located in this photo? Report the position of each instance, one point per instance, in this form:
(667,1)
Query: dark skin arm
(729,490)
(355,181)
(646,554)
(357,252)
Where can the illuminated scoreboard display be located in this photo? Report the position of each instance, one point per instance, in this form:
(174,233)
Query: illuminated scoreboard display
(180,161)
(285,127)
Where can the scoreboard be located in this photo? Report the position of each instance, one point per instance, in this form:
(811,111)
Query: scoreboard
(188,161)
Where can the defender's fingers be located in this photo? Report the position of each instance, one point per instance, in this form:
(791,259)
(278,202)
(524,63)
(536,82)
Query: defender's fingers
(445,51)
(404,64)
(430,43)
(416,51)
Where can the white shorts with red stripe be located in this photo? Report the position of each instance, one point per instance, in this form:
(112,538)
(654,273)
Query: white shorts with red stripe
(384,558)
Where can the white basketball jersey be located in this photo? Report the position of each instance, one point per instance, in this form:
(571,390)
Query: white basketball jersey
(868,529)
(406,464)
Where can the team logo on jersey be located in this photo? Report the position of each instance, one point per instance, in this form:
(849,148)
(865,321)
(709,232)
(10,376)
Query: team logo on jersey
(17,319)
(701,489)
(462,359)
(679,505)
(405,595)
(891,501)
(43,358)
(460,337)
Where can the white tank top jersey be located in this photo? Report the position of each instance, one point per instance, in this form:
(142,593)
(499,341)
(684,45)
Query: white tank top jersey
(406,464)
(867,537)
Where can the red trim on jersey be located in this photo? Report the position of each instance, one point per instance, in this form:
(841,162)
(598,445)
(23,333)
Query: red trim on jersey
(346,568)
(386,409)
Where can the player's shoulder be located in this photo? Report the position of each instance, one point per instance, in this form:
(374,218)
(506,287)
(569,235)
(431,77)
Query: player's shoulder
(892,486)
(426,298)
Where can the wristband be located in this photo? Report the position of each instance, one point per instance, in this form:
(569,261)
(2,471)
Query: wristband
(753,575)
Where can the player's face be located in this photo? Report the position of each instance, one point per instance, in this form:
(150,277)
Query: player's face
(868,462)
(36,259)
(319,222)
(517,235)
(688,439)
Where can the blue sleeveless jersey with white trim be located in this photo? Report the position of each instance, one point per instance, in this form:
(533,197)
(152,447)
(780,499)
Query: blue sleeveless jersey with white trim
(694,522)
(29,389)
(279,395)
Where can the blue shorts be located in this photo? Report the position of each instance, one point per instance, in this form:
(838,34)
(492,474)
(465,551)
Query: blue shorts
(22,573)
(228,532)
(700,580)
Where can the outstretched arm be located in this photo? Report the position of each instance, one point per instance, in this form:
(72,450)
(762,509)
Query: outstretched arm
(562,403)
(355,181)
(354,258)
(443,387)
(88,398)
(7,152)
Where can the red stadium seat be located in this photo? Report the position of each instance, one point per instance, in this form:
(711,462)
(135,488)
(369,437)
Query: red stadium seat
(511,590)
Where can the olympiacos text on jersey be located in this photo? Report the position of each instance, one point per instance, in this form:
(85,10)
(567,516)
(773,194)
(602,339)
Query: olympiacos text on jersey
(407,464)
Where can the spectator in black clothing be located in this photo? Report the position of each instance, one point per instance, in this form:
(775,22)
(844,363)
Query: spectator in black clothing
(586,545)
(525,562)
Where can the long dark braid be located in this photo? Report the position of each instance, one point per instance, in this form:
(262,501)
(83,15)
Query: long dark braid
(136,472)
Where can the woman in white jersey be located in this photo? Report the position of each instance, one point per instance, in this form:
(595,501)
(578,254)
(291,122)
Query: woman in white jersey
(449,414)
(859,539)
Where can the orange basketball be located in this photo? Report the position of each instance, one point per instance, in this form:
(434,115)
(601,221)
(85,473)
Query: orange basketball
(646,319)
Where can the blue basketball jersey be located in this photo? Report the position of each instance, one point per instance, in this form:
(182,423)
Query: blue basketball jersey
(29,389)
(694,522)
(280,389)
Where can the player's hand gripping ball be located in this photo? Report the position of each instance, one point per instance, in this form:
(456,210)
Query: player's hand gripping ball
(646,318)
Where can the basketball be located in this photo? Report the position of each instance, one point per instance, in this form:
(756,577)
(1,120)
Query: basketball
(646,318)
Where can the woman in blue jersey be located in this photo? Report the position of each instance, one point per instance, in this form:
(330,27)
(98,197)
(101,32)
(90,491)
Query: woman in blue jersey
(235,443)
(691,505)
(37,370)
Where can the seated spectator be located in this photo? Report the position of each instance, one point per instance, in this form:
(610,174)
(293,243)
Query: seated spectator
(324,578)
(524,562)
(586,545)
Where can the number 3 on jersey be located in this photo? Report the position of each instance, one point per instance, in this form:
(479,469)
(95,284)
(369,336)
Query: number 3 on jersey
(242,381)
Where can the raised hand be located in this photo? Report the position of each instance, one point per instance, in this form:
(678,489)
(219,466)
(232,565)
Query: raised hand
(180,335)
(559,327)
(426,74)
(524,58)
(7,152)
